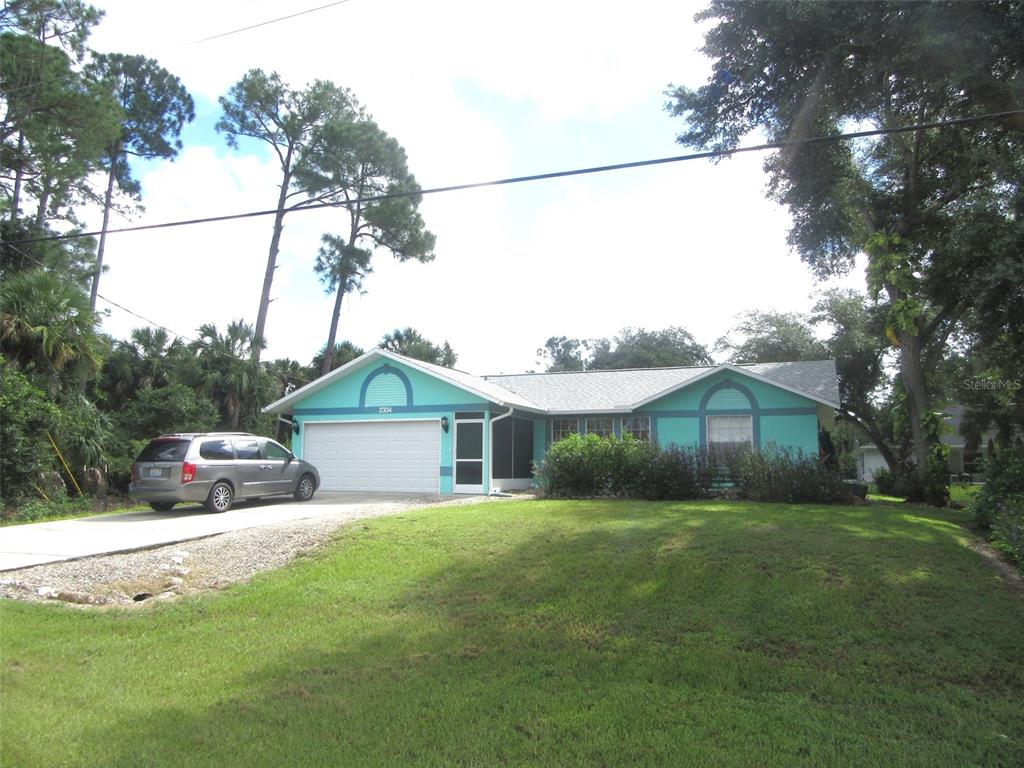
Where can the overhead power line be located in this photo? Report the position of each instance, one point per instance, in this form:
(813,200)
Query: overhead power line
(710,154)
(268,22)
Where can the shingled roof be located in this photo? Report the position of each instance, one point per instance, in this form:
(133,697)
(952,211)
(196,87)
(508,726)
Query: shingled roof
(623,390)
(594,391)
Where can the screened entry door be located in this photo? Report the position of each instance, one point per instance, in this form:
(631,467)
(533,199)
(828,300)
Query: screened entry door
(469,456)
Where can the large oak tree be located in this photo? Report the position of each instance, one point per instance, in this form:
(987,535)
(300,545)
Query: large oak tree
(792,70)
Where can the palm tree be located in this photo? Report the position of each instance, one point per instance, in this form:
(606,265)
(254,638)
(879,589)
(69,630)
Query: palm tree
(157,356)
(411,343)
(47,326)
(342,269)
(343,352)
(236,383)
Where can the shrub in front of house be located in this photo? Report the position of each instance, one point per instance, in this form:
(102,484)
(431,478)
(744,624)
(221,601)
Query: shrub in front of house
(678,473)
(631,463)
(578,466)
(583,467)
(780,475)
(1004,478)
(586,466)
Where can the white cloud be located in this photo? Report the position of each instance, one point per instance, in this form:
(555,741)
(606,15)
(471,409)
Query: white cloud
(473,91)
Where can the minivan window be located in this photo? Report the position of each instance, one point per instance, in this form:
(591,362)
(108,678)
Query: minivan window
(164,450)
(274,451)
(247,449)
(216,450)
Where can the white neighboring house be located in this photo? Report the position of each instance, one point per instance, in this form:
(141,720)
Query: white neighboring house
(869,458)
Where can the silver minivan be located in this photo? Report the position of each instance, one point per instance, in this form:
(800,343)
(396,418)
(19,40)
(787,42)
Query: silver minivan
(216,468)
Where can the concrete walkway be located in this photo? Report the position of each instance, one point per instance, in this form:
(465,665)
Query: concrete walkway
(22,546)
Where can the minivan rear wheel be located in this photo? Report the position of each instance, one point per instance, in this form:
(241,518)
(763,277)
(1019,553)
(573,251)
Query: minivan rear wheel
(220,498)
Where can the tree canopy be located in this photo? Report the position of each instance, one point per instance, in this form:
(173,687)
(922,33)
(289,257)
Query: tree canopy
(795,70)
(355,163)
(262,107)
(154,107)
(631,348)
(411,343)
(771,337)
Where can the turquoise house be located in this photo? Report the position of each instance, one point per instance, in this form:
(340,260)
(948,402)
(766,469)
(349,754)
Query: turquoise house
(384,422)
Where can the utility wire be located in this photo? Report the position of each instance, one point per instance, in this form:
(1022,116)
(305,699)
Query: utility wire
(266,23)
(710,154)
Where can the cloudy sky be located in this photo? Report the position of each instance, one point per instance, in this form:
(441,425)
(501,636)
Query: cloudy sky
(474,91)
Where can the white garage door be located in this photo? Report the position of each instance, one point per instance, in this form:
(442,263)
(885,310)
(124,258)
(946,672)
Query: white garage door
(375,456)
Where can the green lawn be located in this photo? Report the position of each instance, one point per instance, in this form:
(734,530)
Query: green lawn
(550,633)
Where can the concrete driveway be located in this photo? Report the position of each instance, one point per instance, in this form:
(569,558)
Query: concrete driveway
(22,546)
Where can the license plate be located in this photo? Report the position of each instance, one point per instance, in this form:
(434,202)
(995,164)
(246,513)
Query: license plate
(155,472)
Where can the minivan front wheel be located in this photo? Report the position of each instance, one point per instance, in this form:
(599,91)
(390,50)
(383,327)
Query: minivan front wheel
(305,488)
(220,498)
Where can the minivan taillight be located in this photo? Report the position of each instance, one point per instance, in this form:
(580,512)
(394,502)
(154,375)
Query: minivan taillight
(188,472)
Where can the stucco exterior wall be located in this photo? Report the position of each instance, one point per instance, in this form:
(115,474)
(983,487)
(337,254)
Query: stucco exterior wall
(394,392)
(780,417)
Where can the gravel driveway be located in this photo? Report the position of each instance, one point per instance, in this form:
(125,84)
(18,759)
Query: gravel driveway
(167,572)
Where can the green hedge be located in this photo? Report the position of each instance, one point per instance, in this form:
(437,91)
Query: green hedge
(999,505)
(582,467)
(586,466)
(780,475)
(1004,478)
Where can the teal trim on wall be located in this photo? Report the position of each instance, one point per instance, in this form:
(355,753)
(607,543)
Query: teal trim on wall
(350,391)
(766,395)
(386,386)
(393,391)
(725,398)
(681,417)
(385,393)
(443,409)
(734,392)
(733,412)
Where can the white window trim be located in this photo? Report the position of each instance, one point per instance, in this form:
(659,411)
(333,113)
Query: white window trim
(707,428)
(564,418)
(626,431)
(611,425)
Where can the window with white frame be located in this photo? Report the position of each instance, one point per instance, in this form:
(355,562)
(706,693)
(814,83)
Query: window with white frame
(562,428)
(600,426)
(637,426)
(730,432)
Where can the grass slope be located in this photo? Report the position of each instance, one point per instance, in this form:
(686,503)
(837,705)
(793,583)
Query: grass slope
(550,633)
